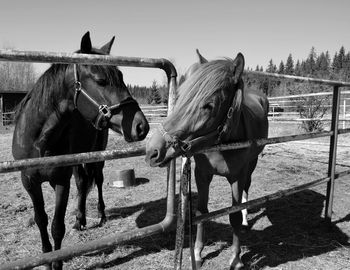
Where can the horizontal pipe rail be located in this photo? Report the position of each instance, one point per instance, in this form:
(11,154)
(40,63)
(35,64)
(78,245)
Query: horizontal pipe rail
(70,58)
(262,200)
(88,59)
(274,140)
(307,95)
(69,252)
(298,78)
(275,118)
(73,159)
(67,160)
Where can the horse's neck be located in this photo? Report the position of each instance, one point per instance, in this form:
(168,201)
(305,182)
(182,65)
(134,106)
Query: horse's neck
(235,129)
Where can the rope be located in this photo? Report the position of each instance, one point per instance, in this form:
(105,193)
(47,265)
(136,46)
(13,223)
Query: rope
(181,217)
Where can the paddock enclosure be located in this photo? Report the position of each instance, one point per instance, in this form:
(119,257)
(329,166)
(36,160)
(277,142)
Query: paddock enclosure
(159,202)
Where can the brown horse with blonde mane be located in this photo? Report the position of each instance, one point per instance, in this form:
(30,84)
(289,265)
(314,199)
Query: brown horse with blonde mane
(213,108)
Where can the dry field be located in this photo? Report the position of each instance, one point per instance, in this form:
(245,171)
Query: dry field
(285,234)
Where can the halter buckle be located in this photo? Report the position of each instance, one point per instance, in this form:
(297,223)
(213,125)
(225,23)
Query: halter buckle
(230,113)
(105,111)
(77,86)
(185,146)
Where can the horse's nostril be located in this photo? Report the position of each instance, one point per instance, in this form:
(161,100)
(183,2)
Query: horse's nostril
(142,130)
(139,129)
(154,155)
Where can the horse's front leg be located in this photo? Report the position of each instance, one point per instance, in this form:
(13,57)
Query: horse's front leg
(236,222)
(58,228)
(99,183)
(248,180)
(35,192)
(203,180)
(81,180)
(245,211)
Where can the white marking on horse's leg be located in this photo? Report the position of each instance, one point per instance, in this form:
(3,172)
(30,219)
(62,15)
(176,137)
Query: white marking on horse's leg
(199,244)
(244,211)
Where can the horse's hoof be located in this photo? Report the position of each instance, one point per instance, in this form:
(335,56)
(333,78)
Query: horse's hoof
(77,226)
(44,267)
(236,264)
(57,265)
(102,221)
(244,228)
(198,263)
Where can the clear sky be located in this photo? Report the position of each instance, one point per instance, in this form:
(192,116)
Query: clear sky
(260,29)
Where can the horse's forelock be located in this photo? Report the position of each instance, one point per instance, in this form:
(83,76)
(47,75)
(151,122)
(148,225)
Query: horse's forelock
(198,88)
(113,74)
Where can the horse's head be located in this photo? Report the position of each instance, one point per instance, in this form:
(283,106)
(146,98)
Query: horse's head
(206,112)
(102,97)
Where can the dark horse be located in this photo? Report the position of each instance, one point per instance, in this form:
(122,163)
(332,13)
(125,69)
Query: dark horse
(212,108)
(69,110)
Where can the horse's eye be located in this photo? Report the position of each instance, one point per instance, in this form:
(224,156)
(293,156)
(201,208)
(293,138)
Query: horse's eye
(102,82)
(208,106)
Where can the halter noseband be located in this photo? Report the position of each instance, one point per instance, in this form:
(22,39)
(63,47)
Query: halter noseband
(184,146)
(104,111)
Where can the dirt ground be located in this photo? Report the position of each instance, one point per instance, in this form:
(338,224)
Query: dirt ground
(285,234)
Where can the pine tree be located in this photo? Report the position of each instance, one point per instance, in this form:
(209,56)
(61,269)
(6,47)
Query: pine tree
(341,57)
(281,68)
(155,97)
(335,63)
(322,66)
(297,69)
(310,63)
(289,69)
(271,68)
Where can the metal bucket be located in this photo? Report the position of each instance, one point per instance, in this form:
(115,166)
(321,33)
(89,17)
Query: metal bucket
(125,178)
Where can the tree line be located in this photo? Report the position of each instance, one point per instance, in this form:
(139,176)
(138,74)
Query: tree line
(315,65)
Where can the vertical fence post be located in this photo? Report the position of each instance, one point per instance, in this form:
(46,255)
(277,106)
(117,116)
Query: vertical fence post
(332,154)
(1,112)
(344,113)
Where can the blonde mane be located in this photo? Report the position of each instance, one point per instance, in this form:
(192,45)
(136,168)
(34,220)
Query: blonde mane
(198,88)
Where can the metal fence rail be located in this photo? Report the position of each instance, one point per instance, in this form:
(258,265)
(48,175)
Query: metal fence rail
(67,160)
(73,159)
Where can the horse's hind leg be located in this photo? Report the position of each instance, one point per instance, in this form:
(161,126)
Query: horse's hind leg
(99,183)
(35,192)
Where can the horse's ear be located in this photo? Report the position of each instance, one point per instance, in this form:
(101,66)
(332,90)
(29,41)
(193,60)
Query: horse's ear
(85,45)
(239,67)
(201,59)
(107,47)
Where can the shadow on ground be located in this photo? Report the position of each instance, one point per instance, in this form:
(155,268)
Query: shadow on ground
(295,230)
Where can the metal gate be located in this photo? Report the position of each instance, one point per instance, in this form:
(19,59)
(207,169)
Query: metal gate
(65,160)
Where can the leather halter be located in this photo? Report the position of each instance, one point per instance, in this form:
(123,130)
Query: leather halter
(184,146)
(104,111)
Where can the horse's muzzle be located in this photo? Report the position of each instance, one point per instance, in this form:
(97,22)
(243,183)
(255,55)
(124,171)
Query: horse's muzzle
(157,152)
